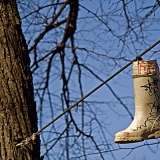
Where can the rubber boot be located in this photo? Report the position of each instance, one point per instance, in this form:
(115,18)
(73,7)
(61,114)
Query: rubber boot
(146,122)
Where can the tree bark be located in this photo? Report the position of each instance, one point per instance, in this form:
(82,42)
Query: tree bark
(18,119)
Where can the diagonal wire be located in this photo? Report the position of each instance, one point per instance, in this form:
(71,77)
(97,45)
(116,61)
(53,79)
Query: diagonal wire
(96,88)
(76,103)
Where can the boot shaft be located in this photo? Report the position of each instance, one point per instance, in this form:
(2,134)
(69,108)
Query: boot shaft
(146,86)
(147,93)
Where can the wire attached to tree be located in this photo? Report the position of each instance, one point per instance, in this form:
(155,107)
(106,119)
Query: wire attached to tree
(139,57)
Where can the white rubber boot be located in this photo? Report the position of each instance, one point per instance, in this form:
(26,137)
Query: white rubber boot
(146,123)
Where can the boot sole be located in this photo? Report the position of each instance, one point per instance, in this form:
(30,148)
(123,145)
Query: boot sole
(130,139)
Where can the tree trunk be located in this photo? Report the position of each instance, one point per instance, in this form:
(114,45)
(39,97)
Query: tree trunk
(18,119)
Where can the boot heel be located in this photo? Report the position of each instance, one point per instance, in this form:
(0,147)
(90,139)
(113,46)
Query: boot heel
(154,135)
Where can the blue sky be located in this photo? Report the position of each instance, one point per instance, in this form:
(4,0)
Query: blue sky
(123,87)
(106,53)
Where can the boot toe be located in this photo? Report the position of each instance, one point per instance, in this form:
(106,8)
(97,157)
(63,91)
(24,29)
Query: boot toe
(128,137)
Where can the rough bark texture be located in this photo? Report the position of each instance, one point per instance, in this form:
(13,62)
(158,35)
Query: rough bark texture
(18,118)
